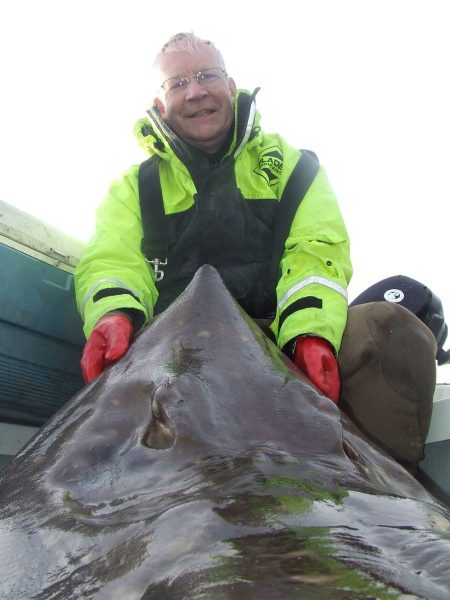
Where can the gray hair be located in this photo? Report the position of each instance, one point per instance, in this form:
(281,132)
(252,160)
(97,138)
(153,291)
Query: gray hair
(187,42)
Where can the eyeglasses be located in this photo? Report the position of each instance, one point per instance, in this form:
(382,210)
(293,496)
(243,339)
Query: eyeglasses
(205,78)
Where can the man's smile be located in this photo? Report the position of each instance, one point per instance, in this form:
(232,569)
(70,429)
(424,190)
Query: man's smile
(202,113)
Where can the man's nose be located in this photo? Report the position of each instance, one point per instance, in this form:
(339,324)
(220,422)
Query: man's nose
(195,90)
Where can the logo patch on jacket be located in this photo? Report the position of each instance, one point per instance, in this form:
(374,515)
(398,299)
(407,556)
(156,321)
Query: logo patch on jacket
(270,164)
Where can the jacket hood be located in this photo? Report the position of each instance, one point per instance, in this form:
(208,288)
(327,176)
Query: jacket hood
(156,137)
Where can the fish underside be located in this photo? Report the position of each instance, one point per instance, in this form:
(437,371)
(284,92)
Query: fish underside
(205,465)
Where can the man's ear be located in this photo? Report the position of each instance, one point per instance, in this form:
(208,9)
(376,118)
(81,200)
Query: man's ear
(232,86)
(159,105)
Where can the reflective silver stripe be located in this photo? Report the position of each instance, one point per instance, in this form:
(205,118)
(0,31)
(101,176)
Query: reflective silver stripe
(320,280)
(248,129)
(97,284)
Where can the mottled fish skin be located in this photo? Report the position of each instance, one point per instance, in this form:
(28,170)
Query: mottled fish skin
(204,465)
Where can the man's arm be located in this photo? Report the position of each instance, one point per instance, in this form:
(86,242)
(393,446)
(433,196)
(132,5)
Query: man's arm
(112,273)
(312,290)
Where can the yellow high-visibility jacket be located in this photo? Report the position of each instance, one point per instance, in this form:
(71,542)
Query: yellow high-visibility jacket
(315,268)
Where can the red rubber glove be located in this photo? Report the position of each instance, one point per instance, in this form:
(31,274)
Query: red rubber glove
(316,359)
(109,340)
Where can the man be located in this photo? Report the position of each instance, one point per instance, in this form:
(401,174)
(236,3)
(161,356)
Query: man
(222,181)
(219,190)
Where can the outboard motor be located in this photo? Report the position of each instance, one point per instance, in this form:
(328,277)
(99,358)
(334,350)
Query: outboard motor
(417,298)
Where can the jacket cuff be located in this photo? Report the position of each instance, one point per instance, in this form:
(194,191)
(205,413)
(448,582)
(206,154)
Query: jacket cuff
(137,317)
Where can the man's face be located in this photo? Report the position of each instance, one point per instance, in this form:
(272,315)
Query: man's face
(201,116)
